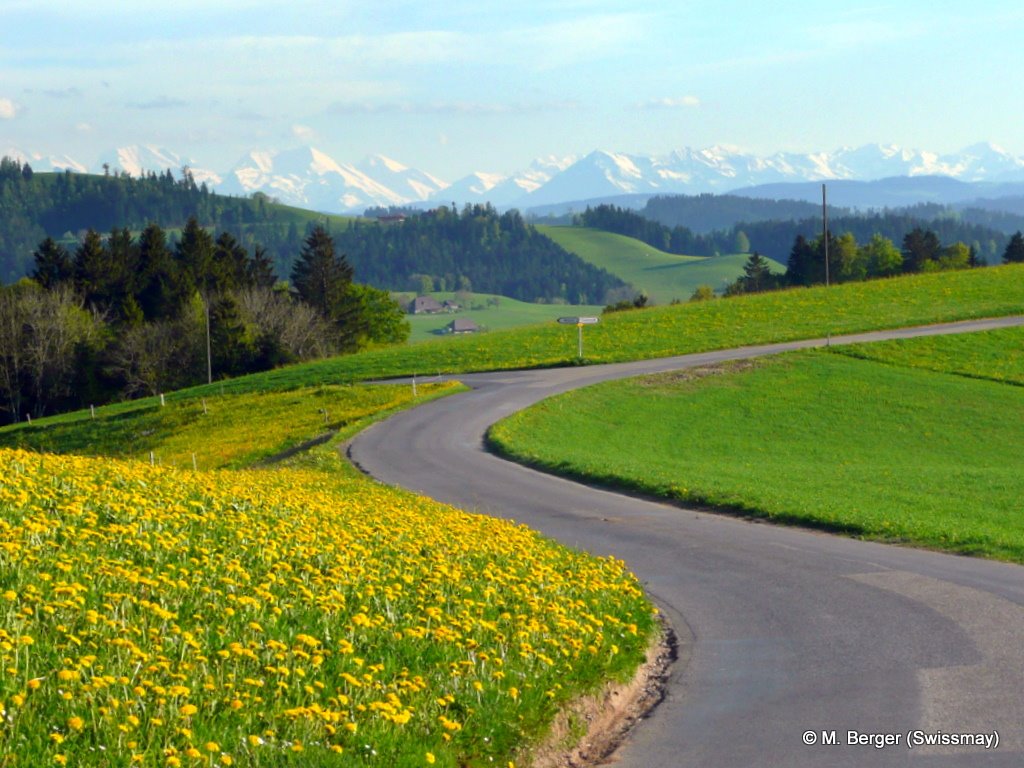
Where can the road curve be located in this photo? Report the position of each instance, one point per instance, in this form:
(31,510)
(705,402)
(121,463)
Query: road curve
(789,635)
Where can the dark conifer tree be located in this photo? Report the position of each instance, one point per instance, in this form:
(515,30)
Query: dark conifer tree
(1014,252)
(194,257)
(261,269)
(757,275)
(230,263)
(158,277)
(920,246)
(320,277)
(92,269)
(800,267)
(53,264)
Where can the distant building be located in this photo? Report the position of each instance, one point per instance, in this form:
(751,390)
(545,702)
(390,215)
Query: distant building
(450,306)
(425,305)
(391,218)
(462,325)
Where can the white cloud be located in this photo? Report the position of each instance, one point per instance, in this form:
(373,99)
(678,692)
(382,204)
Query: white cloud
(670,102)
(8,109)
(448,107)
(303,132)
(559,44)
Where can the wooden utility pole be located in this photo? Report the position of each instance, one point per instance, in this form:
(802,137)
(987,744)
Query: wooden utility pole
(824,230)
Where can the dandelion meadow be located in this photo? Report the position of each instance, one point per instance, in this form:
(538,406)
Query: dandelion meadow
(159,616)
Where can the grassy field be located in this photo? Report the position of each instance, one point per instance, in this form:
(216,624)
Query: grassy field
(664,276)
(664,331)
(918,448)
(294,616)
(505,314)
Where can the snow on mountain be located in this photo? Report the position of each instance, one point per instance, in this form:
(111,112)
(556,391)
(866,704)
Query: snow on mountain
(600,174)
(720,169)
(140,159)
(503,191)
(408,182)
(44,163)
(474,188)
(309,177)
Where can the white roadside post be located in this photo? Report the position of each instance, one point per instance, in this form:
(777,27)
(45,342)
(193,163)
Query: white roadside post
(579,322)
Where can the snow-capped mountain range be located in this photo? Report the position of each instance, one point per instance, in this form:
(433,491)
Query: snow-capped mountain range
(310,178)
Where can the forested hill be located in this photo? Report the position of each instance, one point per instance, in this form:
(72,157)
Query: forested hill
(775,239)
(34,206)
(442,249)
(708,213)
(475,249)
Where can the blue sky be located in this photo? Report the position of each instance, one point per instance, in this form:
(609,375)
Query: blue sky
(453,87)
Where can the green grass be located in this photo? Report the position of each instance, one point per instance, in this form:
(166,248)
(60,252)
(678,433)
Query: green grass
(221,431)
(661,331)
(665,331)
(508,313)
(664,276)
(999,358)
(887,450)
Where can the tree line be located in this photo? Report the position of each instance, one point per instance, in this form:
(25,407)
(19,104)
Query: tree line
(775,238)
(123,316)
(846,260)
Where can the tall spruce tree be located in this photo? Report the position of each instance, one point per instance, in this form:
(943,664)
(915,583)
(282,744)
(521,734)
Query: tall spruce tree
(321,277)
(323,280)
(52,264)
(92,270)
(800,268)
(158,277)
(1014,252)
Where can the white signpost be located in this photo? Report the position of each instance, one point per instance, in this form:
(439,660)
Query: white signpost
(579,322)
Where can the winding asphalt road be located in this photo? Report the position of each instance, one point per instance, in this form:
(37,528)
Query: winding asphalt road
(786,635)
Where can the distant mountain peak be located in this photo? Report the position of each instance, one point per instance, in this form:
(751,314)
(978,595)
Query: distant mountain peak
(310,177)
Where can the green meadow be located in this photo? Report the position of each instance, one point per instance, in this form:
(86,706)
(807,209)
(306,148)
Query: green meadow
(650,333)
(674,330)
(663,276)
(905,442)
(492,313)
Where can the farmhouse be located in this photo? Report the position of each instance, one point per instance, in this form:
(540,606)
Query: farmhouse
(425,305)
(462,325)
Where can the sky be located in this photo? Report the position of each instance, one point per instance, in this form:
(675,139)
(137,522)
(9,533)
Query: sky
(455,87)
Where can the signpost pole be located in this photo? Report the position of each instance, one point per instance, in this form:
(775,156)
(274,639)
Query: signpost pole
(579,322)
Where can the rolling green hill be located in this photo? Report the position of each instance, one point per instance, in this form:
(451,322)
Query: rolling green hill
(663,276)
